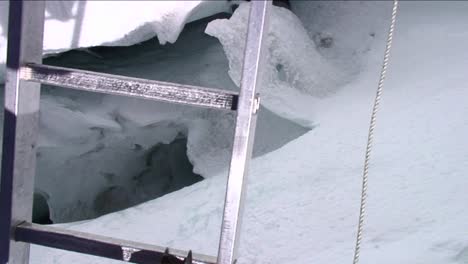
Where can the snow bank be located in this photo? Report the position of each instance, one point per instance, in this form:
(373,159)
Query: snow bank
(79,24)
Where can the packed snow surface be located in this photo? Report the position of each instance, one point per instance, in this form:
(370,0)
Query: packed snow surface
(303,197)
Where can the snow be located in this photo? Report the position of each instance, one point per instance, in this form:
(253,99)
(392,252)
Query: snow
(122,27)
(82,24)
(303,196)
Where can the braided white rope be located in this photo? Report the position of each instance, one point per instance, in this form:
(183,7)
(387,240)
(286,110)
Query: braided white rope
(370,137)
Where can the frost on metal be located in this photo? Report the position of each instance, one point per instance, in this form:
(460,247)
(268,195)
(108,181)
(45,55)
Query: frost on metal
(127,253)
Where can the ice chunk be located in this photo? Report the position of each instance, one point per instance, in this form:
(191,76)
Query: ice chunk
(295,73)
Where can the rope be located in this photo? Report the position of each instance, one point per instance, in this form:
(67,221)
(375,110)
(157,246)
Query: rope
(370,137)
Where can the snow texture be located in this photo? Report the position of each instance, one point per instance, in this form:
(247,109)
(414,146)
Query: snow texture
(71,24)
(303,197)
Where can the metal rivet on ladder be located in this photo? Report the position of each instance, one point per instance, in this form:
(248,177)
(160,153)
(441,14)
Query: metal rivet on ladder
(127,253)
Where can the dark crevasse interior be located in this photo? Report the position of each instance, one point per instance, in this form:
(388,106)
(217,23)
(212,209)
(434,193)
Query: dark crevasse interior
(41,210)
(167,169)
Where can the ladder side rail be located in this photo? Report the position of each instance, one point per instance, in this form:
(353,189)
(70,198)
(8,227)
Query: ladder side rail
(244,130)
(21,114)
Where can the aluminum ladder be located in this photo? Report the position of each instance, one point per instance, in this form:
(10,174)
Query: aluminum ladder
(24,76)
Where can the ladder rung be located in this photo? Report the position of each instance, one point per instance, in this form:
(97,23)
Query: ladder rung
(99,245)
(128,86)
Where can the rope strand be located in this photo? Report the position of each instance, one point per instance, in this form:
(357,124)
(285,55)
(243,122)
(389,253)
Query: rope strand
(370,138)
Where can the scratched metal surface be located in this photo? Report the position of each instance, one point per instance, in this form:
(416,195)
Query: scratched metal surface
(127,86)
